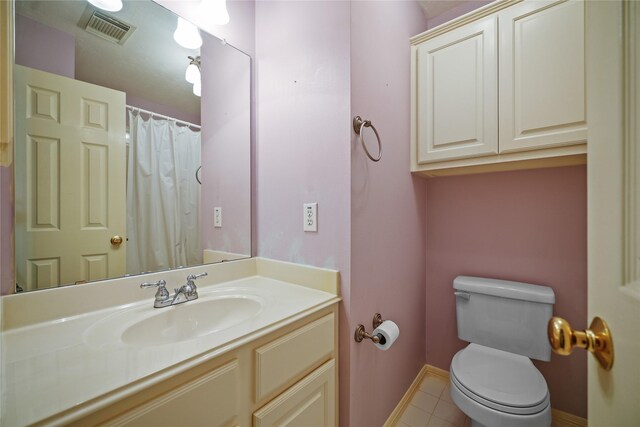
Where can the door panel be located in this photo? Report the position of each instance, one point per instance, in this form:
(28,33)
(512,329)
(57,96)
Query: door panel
(70,180)
(613,208)
(457,93)
(311,402)
(542,85)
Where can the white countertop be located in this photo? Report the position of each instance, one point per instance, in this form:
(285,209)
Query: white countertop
(52,366)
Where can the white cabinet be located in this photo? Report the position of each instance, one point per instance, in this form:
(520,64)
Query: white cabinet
(458,93)
(502,88)
(311,402)
(542,75)
(288,377)
(297,363)
(210,400)
(285,360)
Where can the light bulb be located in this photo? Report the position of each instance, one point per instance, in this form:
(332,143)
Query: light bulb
(192,74)
(197,88)
(187,35)
(108,5)
(216,11)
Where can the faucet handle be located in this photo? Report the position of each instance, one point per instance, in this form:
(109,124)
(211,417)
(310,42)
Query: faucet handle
(162,294)
(160,283)
(191,286)
(195,276)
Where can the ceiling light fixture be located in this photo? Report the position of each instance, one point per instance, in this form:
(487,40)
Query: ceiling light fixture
(193,70)
(187,35)
(197,88)
(192,74)
(216,11)
(108,5)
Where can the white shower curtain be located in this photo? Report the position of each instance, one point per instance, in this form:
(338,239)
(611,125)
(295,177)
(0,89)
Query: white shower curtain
(163,196)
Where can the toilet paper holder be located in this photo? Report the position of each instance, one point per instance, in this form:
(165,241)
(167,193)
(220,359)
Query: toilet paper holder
(361,333)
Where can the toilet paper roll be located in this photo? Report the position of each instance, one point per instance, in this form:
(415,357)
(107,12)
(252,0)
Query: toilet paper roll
(388,332)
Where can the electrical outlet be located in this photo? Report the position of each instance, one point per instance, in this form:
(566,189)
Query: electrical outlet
(217,217)
(310,217)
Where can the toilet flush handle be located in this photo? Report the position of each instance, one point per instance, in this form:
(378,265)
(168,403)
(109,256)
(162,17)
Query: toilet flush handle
(597,339)
(463,295)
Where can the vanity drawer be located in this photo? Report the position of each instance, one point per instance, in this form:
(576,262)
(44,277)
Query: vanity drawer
(289,358)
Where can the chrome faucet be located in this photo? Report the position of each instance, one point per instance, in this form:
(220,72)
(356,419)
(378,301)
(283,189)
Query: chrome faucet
(187,292)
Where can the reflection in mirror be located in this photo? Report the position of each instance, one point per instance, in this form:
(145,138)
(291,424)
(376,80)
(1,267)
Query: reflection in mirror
(120,168)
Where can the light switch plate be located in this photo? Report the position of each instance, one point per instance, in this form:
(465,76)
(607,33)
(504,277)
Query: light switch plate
(217,217)
(310,217)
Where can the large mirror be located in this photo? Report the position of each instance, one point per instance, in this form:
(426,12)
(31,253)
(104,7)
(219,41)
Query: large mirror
(121,165)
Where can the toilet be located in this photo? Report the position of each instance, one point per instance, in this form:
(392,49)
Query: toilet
(493,380)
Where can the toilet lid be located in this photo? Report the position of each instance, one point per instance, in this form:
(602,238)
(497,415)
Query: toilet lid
(504,381)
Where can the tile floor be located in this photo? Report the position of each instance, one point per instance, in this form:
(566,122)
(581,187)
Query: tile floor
(431,406)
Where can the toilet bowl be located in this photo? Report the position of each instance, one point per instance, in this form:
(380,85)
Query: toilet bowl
(499,389)
(493,380)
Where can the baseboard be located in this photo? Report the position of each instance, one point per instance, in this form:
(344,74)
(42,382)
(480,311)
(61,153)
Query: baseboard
(565,419)
(404,402)
(437,372)
(559,418)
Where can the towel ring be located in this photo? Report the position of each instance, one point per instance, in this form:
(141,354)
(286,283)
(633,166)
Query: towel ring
(358,125)
(198,175)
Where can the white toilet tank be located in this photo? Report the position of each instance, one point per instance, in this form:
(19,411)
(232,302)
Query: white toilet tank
(509,316)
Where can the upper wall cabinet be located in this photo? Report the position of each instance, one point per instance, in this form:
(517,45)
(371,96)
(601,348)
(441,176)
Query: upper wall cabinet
(501,88)
(542,75)
(458,93)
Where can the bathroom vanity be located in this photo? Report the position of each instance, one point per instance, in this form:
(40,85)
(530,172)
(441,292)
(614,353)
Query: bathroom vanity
(259,345)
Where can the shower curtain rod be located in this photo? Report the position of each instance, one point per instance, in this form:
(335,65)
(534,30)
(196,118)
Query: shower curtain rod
(151,113)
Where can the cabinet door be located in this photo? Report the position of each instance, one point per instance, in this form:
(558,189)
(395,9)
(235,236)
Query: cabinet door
(457,92)
(284,361)
(310,402)
(211,400)
(542,75)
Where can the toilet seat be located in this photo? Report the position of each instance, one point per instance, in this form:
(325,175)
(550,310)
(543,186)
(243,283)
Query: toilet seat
(500,380)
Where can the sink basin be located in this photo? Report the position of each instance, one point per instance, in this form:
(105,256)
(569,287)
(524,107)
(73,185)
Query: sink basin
(145,326)
(190,320)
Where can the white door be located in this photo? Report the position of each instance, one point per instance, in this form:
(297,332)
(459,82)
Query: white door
(614,205)
(70,180)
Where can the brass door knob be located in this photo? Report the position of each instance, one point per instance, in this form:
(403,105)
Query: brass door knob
(116,240)
(597,339)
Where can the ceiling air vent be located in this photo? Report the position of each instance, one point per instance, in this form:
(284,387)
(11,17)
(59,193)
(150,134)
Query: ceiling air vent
(107,27)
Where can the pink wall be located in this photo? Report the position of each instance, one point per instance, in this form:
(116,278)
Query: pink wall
(226,148)
(303,154)
(302,67)
(44,48)
(528,226)
(387,211)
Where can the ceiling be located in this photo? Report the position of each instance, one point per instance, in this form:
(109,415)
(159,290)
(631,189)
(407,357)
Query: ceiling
(434,8)
(150,64)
